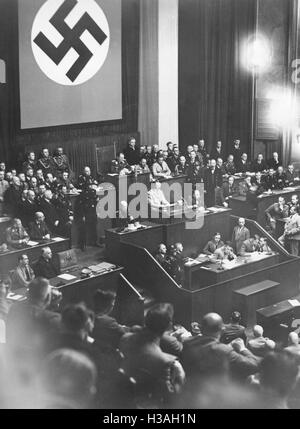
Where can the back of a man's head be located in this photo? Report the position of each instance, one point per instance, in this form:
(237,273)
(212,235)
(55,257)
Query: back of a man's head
(159,318)
(212,324)
(236,317)
(69,376)
(293,339)
(39,290)
(104,301)
(258,331)
(75,317)
(278,373)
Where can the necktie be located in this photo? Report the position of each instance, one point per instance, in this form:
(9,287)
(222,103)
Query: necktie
(27,273)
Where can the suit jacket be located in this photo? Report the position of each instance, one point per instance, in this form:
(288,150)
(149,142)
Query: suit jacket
(19,278)
(243,188)
(290,177)
(275,212)
(37,232)
(211,181)
(239,235)
(248,247)
(132,156)
(211,247)
(13,235)
(292,227)
(281,181)
(227,191)
(259,167)
(206,356)
(108,332)
(243,167)
(260,346)
(47,269)
(232,331)
(27,211)
(50,212)
(216,154)
(273,164)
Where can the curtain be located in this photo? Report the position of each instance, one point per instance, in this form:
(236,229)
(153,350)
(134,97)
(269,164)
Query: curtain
(13,140)
(290,151)
(215,90)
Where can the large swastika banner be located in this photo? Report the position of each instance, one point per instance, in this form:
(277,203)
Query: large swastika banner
(70,62)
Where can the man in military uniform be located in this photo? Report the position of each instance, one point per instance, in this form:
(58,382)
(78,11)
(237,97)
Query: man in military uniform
(64,209)
(61,162)
(30,163)
(46,163)
(85,180)
(120,165)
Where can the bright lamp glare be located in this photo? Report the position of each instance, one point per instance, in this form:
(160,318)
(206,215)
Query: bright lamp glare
(257,55)
(282,108)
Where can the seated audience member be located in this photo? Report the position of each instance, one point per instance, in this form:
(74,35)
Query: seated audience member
(220,167)
(259,182)
(142,167)
(23,274)
(213,245)
(189,150)
(280,178)
(228,190)
(65,180)
(149,156)
(146,362)
(244,186)
(182,166)
(270,180)
(293,347)
(199,156)
(224,253)
(236,150)
(156,197)
(21,203)
(229,166)
(173,159)
(218,151)
(160,168)
(8,177)
(2,166)
(51,182)
(67,380)
(120,165)
(243,165)
(205,356)
(33,185)
(260,345)
(259,164)
(249,246)
(50,212)
(29,174)
(38,230)
(292,177)
(45,267)
(162,257)
(263,246)
(28,208)
(23,182)
(234,329)
(293,203)
(16,235)
(131,152)
(142,152)
(61,162)
(278,210)
(30,162)
(45,162)
(64,211)
(240,234)
(4,185)
(40,177)
(170,148)
(276,380)
(107,331)
(203,151)
(155,152)
(41,193)
(274,162)
(195,174)
(32,327)
(86,180)
(291,235)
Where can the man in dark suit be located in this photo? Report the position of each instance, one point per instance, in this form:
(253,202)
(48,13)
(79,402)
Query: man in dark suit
(234,329)
(45,266)
(64,210)
(274,162)
(243,165)
(212,181)
(259,182)
(23,274)
(50,212)
(280,178)
(259,164)
(38,230)
(292,177)
(28,208)
(131,153)
(218,152)
(239,235)
(278,210)
(205,356)
(229,189)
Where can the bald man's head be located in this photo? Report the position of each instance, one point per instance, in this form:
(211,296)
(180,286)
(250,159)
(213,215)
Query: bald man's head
(212,324)
(258,331)
(293,339)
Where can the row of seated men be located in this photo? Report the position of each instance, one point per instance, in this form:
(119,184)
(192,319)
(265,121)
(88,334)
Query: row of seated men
(241,244)
(78,358)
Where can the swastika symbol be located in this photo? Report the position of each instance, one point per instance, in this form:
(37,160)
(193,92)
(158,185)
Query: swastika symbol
(75,38)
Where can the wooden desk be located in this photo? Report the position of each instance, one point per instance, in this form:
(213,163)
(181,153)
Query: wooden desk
(122,184)
(210,273)
(9,260)
(149,237)
(240,207)
(172,181)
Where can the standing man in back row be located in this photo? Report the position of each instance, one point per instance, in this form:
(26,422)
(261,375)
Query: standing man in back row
(239,235)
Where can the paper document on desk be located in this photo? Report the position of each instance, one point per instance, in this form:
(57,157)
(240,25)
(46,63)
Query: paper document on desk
(290,189)
(32,243)
(66,277)
(57,239)
(294,302)
(15,297)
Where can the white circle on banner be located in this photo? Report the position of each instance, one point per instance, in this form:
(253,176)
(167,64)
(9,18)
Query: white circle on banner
(73,47)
